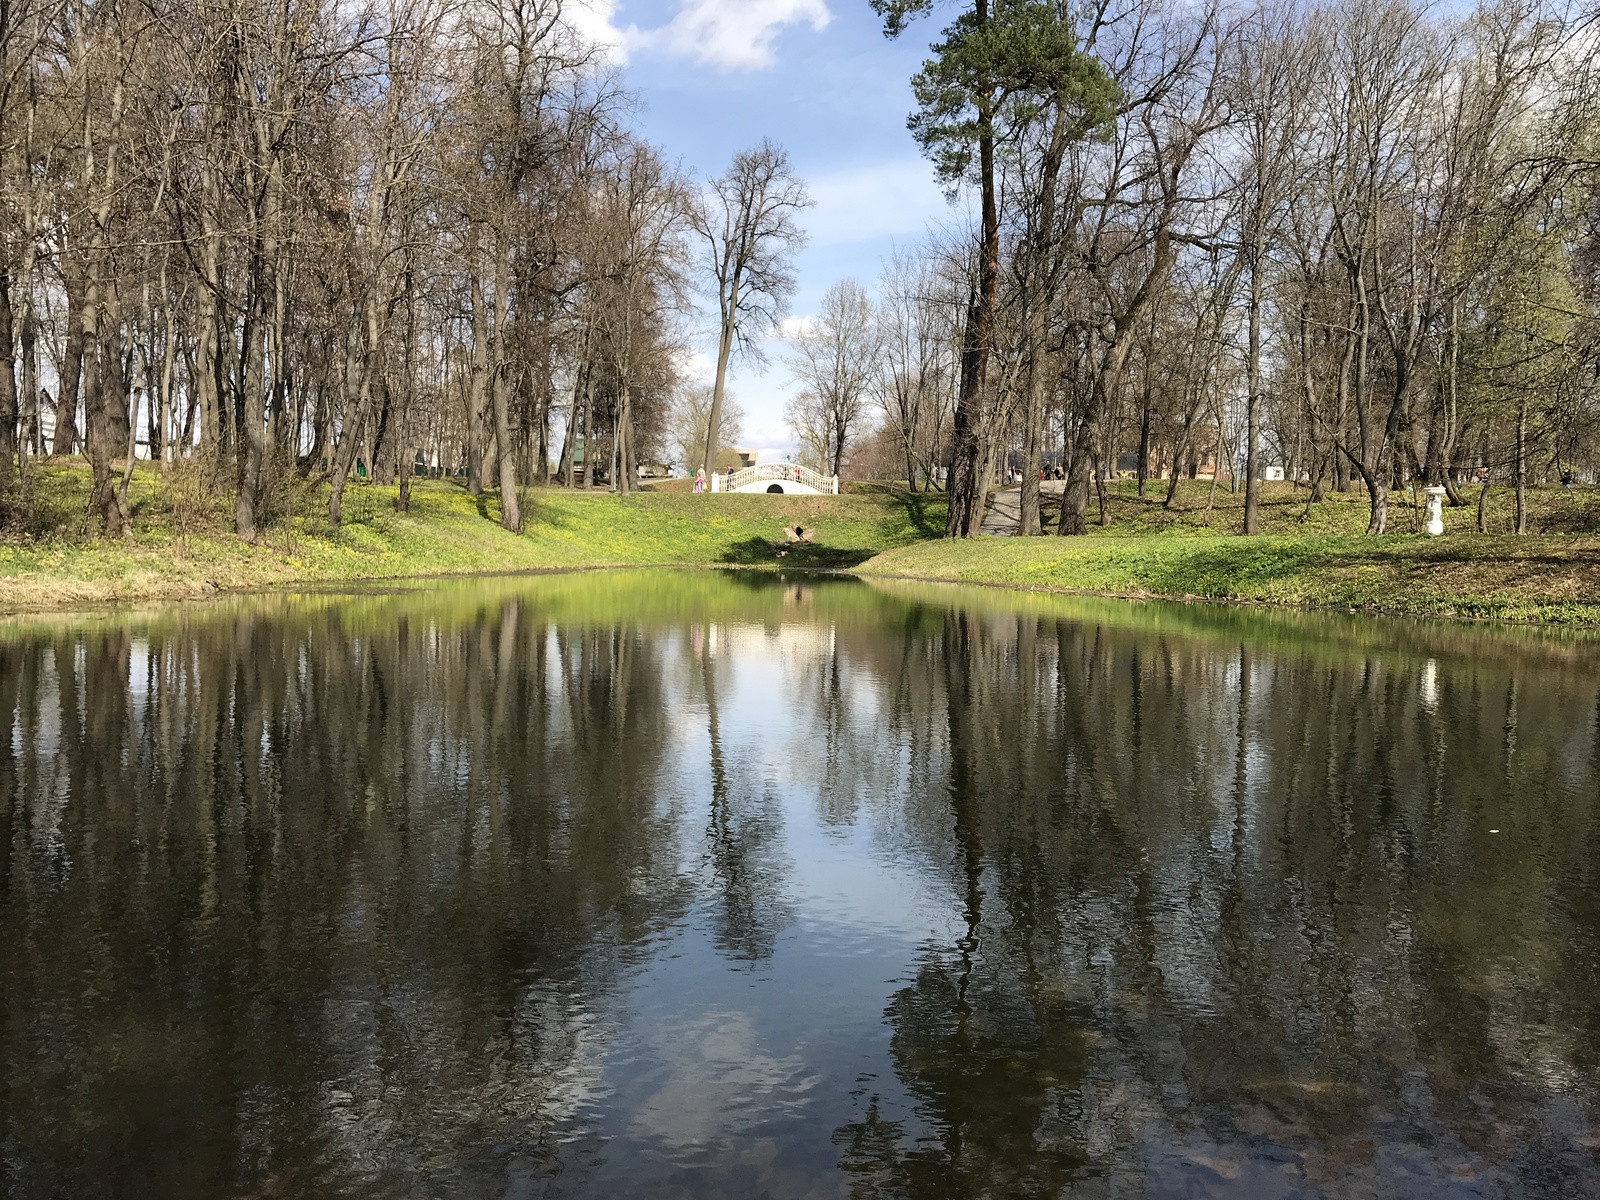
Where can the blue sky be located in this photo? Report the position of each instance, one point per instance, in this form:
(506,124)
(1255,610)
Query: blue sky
(819,78)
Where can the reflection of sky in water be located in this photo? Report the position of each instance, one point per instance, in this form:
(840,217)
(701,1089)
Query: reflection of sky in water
(487,909)
(739,1069)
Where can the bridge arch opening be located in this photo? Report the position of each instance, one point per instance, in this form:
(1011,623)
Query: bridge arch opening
(777,487)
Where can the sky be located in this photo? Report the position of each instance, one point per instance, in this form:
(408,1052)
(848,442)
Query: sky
(816,76)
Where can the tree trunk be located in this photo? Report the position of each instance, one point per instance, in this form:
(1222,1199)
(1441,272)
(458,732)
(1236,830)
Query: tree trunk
(1520,465)
(1252,484)
(1377,497)
(510,508)
(622,481)
(478,387)
(169,366)
(589,440)
(355,410)
(253,435)
(1450,401)
(106,410)
(1144,436)
(1179,449)
(32,429)
(724,351)
(1080,468)
(966,503)
(69,386)
(402,500)
(1030,522)
(1100,491)
(8,391)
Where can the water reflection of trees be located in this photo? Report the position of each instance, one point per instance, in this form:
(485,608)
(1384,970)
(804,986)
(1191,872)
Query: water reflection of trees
(332,899)
(1220,908)
(319,906)
(743,831)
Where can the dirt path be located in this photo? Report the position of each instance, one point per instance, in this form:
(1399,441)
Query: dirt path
(1004,513)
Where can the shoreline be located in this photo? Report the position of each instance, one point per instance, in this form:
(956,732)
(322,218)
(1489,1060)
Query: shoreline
(1405,614)
(1549,580)
(1544,579)
(178,592)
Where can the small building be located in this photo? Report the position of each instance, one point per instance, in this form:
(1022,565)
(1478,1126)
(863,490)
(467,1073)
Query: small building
(729,459)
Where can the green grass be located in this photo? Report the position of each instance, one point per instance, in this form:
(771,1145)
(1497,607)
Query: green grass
(1284,510)
(175,553)
(183,545)
(1309,555)
(1531,578)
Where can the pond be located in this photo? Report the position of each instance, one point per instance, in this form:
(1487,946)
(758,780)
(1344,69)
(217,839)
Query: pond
(668,884)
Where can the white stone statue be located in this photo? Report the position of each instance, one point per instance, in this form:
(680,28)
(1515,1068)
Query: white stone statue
(1435,511)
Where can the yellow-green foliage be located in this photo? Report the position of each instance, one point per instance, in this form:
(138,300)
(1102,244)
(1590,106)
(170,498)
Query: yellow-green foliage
(1543,579)
(1312,557)
(447,531)
(1200,512)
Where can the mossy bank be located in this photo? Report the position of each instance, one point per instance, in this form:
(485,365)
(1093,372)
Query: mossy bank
(446,531)
(1545,578)
(1190,551)
(1307,556)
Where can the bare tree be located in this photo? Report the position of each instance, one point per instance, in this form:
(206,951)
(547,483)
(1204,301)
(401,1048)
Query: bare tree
(1140,198)
(835,360)
(919,332)
(691,417)
(1267,67)
(747,225)
(639,278)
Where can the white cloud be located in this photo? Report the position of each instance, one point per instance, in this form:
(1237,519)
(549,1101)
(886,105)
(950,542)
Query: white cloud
(593,19)
(734,34)
(888,199)
(791,327)
(695,366)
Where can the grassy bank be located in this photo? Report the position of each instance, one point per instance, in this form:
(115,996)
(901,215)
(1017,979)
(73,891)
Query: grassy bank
(1315,557)
(1537,578)
(1309,555)
(181,549)
(1198,510)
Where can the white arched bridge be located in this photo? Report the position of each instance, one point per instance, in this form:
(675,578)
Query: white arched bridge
(779,478)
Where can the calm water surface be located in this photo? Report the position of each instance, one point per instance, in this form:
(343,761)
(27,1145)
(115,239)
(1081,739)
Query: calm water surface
(667,885)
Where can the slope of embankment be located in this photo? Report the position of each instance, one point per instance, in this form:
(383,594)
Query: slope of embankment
(1311,556)
(181,549)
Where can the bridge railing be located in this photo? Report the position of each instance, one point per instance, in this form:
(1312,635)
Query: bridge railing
(775,473)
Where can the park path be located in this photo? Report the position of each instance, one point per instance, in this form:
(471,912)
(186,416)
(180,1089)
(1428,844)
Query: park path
(1004,513)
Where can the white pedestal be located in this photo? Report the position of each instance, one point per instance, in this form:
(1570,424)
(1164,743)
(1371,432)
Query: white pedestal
(1435,511)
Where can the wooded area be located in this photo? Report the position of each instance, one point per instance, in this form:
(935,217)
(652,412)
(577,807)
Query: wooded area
(1356,242)
(256,239)
(261,241)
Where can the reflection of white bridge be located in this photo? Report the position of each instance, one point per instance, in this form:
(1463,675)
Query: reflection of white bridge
(787,478)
